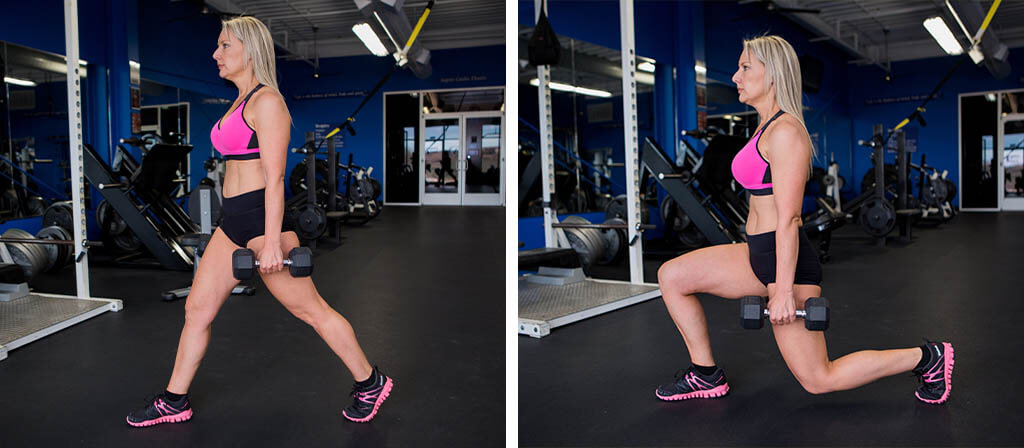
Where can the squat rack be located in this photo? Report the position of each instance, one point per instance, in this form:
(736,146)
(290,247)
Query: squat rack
(543,307)
(35,315)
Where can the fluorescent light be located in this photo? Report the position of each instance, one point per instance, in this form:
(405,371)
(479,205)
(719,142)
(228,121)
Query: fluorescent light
(941,33)
(573,89)
(727,117)
(646,66)
(370,39)
(991,97)
(700,69)
(19,82)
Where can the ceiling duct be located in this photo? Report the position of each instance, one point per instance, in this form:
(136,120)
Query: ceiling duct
(996,53)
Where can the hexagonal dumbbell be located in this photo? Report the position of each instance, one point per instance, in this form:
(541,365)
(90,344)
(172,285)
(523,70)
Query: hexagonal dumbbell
(815,314)
(299,262)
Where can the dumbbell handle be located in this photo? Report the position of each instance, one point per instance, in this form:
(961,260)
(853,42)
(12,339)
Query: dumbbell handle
(799,313)
(286,262)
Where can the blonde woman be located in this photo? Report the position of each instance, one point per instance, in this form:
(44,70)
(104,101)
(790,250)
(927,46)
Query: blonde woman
(253,138)
(778,261)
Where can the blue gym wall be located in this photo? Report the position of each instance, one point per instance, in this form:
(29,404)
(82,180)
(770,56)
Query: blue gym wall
(349,78)
(939,139)
(174,45)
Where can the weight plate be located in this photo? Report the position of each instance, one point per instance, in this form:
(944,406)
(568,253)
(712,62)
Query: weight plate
(297,180)
(593,237)
(579,244)
(36,206)
(878,218)
(101,212)
(22,254)
(312,222)
(69,252)
(614,243)
(127,241)
(59,251)
(35,252)
(616,208)
(59,214)
(950,190)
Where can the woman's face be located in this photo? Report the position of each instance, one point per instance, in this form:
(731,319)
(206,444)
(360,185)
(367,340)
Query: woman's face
(749,78)
(230,55)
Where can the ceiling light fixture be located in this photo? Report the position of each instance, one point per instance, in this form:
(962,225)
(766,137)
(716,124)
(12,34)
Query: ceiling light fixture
(573,89)
(370,39)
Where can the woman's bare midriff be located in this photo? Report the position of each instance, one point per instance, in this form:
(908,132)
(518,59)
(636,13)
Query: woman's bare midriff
(243,176)
(763,217)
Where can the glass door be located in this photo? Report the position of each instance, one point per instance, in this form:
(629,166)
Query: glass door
(1011,158)
(463,159)
(979,174)
(442,147)
(483,161)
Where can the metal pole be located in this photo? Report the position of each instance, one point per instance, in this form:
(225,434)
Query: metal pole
(547,167)
(75,144)
(632,149)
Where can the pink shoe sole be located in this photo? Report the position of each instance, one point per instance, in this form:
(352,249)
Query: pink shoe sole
(947,372)
(712,393)
(383,396)
(176,418)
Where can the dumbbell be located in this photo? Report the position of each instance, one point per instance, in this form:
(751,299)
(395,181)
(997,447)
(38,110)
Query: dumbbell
(299,262)
(815,313)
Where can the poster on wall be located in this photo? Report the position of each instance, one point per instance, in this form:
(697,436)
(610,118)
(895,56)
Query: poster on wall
(702,119)
(702,95)
(133,73)
(136,122)
(320,130)
(136,97)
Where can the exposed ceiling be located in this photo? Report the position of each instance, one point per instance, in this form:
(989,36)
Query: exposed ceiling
(859,26)
(451,24)
(583,64)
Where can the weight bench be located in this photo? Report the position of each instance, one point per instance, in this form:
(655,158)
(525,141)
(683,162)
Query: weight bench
(204,210)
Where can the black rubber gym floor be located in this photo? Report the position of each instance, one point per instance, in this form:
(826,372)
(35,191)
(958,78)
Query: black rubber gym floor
(592,383)
(423,287)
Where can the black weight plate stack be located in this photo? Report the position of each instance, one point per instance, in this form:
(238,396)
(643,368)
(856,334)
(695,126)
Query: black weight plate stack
(29,259)
(59,214)
(36,206)
(312,222)
(614,243)
(62,252)
(878,218)
(297,180)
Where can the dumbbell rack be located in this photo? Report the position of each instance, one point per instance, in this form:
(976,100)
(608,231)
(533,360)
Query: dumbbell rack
(33,316)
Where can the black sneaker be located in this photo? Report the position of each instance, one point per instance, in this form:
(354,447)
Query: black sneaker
(161,410)
(368,400)
(691,384)
(937,375)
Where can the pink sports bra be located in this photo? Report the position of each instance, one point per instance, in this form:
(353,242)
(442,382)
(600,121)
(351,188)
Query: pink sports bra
(233,137)
(750,168)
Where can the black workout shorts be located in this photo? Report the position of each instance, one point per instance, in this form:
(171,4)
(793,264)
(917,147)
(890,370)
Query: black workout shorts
(762,259)
(243,217)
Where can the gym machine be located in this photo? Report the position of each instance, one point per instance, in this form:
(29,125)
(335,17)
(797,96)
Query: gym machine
(560,296)
(28,316)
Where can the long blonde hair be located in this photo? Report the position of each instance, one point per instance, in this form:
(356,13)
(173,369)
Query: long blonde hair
(782,68)
(259,47)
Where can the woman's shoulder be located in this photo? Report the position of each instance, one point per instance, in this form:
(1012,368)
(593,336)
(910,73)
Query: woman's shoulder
(267,95)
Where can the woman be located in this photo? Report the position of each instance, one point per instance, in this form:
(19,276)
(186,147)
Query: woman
(253,138)
(778,260)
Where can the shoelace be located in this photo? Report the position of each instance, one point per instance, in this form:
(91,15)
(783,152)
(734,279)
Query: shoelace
(366,398)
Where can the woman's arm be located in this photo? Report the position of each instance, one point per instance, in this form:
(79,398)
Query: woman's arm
(789,152)
(272,124)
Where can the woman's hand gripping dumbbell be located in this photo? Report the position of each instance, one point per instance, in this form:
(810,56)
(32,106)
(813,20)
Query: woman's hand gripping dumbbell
(815,313)
(299,262)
